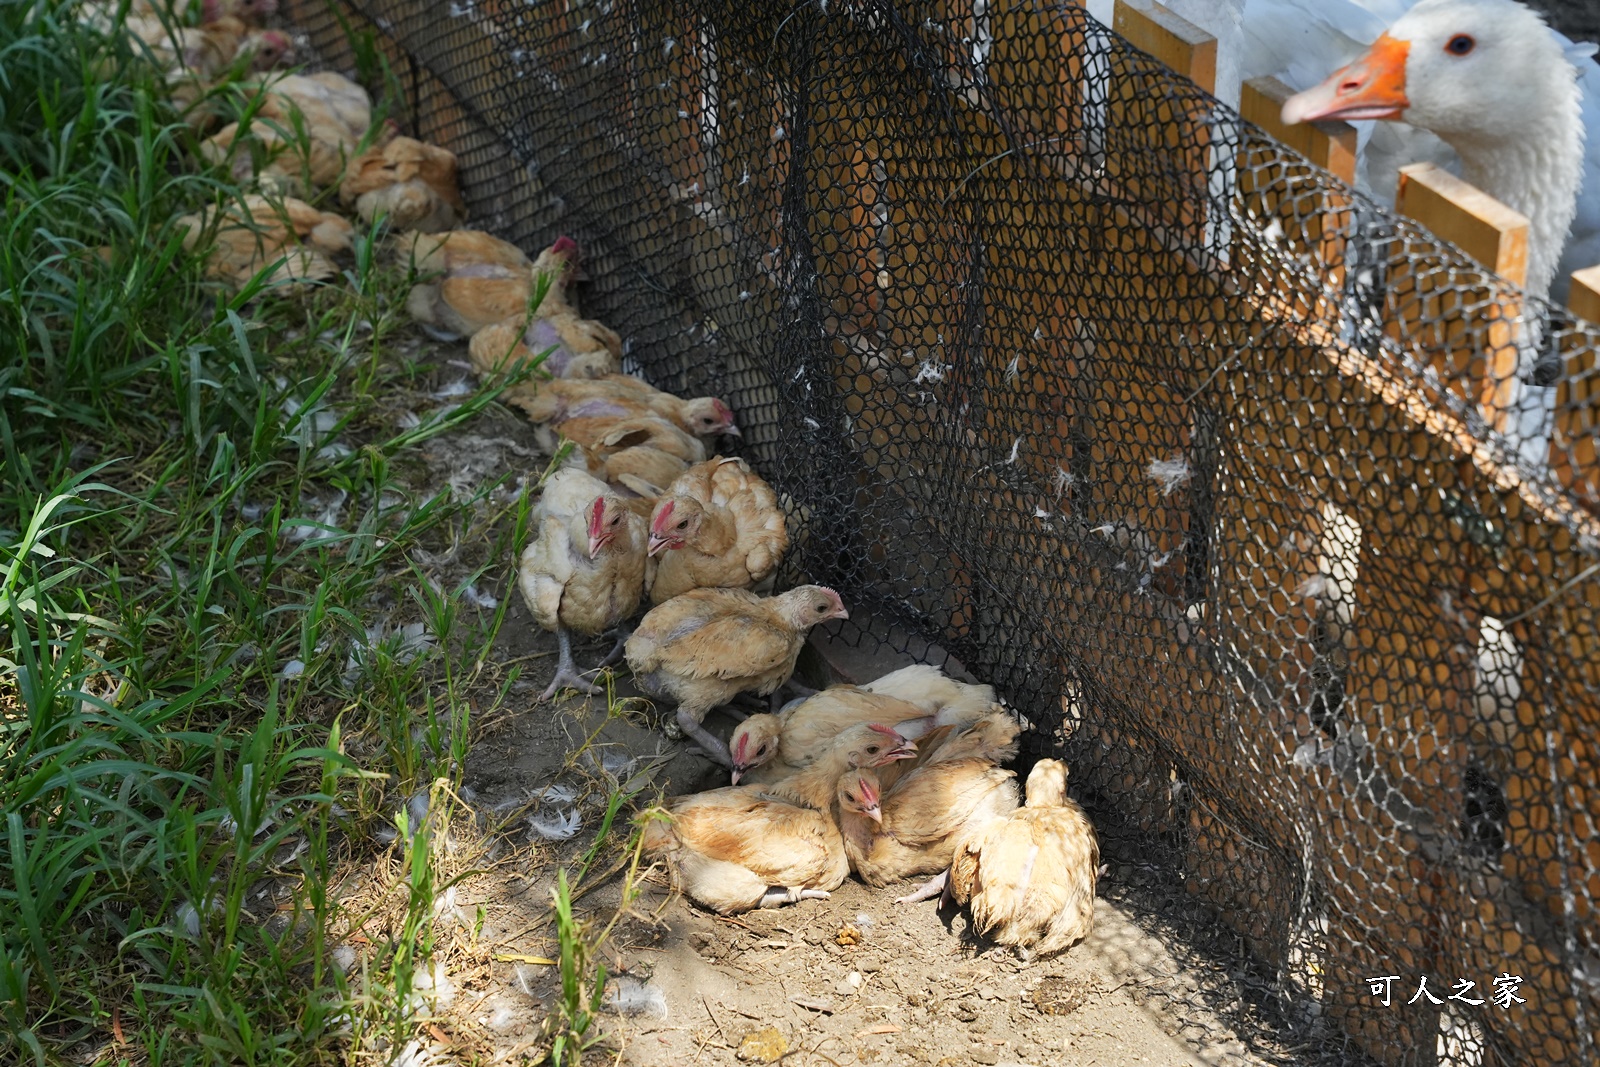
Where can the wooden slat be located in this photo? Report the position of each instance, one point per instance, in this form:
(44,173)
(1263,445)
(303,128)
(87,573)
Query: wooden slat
(1497,237)
(1176,42)
(1472,220)
(1275,187)
(1584,299)
(1330,145)
(1142,124)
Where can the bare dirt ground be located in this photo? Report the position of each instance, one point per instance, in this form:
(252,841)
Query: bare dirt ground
(851,980)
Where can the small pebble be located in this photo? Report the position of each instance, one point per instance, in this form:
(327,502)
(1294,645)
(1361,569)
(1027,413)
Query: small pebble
(767,1045)
(985,1055)
(868,966)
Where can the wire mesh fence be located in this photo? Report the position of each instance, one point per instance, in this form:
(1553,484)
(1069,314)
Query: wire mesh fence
(1258,501)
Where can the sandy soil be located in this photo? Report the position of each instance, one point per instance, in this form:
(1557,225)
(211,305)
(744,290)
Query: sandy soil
(854,979)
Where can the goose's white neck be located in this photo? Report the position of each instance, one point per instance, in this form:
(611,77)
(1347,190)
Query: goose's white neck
(1538,172)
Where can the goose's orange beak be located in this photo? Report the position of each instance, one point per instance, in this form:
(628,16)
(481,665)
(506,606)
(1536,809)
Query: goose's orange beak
(1373,87)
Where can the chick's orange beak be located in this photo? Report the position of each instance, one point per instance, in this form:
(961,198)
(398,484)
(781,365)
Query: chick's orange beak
(1373,87)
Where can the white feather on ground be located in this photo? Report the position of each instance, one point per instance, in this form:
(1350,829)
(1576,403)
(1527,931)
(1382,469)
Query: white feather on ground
(554,826)
(630,996)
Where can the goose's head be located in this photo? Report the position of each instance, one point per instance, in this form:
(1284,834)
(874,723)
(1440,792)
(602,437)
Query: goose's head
(1468,70)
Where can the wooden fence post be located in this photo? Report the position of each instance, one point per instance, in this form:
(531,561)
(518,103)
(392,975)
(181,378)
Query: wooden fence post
(1495,236)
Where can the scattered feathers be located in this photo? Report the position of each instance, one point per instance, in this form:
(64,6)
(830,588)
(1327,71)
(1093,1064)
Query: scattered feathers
(554,826)
(1171,473)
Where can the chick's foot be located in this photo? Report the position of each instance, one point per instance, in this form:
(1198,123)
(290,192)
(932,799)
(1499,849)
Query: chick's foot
(567,673)
(779,895)
(931,888)
(709,742)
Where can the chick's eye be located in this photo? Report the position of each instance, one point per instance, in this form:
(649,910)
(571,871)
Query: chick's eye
(616,520)
(851,797)
(1461,44)
(683,524)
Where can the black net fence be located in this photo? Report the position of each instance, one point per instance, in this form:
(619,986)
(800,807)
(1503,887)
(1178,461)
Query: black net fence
(1256,500)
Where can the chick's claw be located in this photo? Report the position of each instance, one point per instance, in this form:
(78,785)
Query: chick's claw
(931,888)
(570,680)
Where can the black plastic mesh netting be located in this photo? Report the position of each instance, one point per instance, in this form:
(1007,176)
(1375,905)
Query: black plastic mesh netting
(1062,365)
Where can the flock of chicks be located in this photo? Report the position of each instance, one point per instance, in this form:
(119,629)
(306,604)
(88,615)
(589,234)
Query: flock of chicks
(891,780)
(302,139)
(895,779)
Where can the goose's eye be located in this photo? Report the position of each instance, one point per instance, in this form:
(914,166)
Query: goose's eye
(1461,44)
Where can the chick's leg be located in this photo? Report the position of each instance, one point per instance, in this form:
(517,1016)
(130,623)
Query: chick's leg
(615,655)
(709,743)
(779,895)
(798,689)
(931,888)
(567,675)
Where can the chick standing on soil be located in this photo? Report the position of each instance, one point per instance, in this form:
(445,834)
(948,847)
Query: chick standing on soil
(707,646)
(743,847)
(914,700)
(586,569)
(913,828)
(717,526)
(1029,878)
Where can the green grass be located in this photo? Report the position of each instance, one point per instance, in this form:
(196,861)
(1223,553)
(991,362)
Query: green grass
(176,534)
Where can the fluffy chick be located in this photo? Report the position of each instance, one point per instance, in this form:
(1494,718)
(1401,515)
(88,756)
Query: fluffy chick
(770,748)
(913,828)
(741,847)
(305,130)
(250,12)
(581,408)
(915,700)
(707,646)
(578,347)
(939,695)
(467,280)
(260,232)
(719,526)
(521,337)
(201,54)
(607,437)
(1029,878)
(410,182)
(585,570)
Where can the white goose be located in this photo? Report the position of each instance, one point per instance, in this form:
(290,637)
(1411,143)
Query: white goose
(1491,80)
(1513,110)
